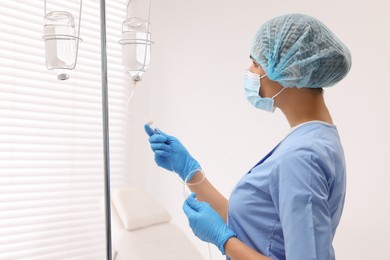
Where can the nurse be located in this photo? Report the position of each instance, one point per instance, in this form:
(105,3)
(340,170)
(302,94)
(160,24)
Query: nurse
(289,204)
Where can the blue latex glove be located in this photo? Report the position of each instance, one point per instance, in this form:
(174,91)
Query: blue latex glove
(206,223)
(171,155)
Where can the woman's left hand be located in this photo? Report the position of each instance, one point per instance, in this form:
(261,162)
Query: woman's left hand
(206,223)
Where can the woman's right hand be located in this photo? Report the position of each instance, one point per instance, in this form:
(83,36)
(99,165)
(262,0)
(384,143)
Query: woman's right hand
(170,154)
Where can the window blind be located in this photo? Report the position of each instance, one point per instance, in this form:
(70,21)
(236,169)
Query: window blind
(51,147)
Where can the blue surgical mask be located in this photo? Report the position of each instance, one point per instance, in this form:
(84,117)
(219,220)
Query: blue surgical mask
(252,86)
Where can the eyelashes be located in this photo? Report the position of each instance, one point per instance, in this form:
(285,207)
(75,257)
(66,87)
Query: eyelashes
(255,64)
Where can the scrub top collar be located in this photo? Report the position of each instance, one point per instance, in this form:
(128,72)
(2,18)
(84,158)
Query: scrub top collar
(292,129)
(289,133)
(309,122)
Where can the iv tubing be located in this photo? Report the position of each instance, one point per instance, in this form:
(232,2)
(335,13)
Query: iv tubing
(132,91)
(105,128)
(185,182)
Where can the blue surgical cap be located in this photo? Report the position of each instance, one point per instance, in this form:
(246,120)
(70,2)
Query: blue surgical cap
(297,50)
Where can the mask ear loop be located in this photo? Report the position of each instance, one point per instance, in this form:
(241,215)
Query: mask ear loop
(277,94)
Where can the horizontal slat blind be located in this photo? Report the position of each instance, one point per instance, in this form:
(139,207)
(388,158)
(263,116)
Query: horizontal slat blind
(51,147)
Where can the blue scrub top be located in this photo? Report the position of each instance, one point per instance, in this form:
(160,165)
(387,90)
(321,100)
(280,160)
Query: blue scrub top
(289,204)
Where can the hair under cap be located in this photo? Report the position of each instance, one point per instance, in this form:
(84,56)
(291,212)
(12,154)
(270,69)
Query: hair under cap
(297,50)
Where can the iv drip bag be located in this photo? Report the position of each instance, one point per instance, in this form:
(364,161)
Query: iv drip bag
(136,43)
(61,42)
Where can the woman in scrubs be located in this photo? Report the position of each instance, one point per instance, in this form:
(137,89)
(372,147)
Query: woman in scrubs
(289,204)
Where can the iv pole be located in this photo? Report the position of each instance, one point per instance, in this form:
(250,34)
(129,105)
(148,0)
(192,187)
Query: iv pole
(106,151)
(105,128)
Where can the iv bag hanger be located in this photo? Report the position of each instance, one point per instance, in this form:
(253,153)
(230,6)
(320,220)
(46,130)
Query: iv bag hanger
(135,40)
(61,42)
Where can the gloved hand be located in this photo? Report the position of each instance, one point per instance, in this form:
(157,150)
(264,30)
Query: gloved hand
(206,223)
(171,155)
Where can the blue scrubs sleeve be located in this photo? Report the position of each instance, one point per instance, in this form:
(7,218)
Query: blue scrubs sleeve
(300,189)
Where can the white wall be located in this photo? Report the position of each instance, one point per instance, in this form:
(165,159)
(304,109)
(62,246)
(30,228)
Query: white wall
(193,90)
